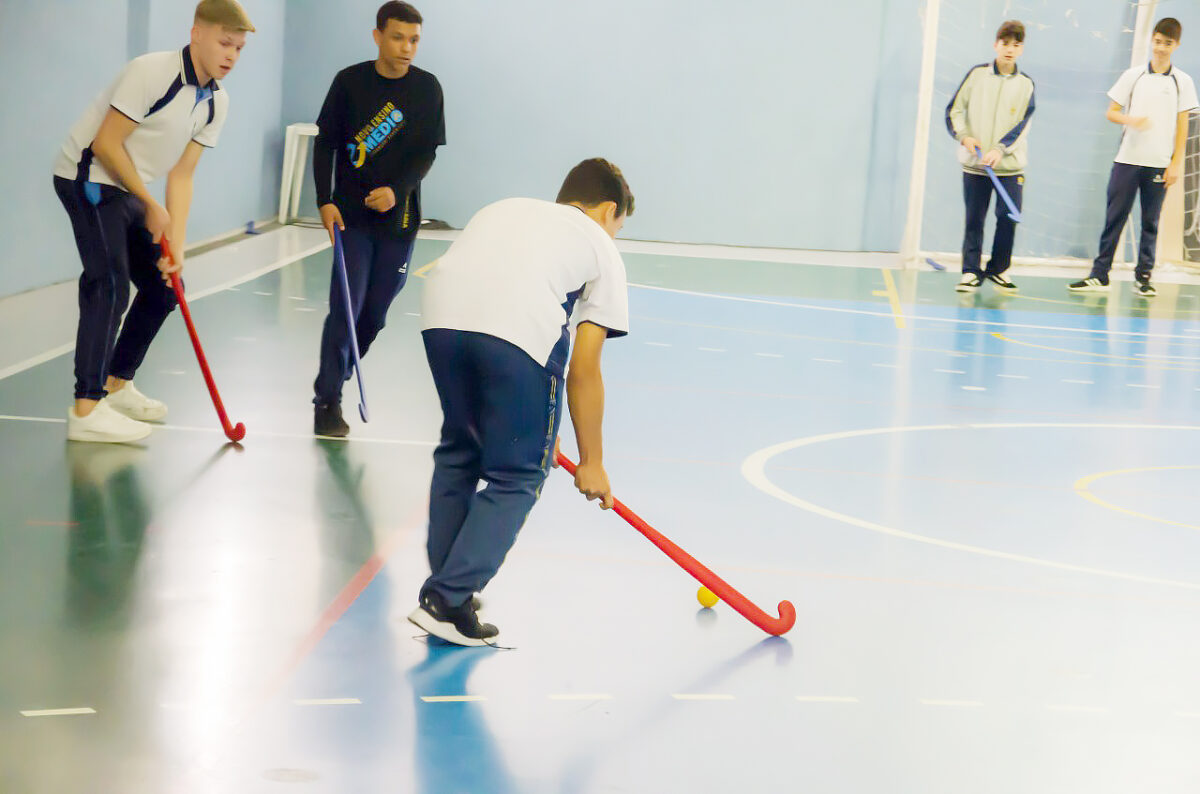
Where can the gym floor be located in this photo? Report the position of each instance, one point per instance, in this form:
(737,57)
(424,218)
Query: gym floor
(981,507)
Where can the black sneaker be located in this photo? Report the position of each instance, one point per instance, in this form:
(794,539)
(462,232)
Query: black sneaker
(1001,282)
(459,625)
(968,283)
(1089,284)
(327,421)
(1145,289)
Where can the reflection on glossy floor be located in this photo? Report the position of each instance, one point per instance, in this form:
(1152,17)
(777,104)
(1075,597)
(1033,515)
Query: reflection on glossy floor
(985,512)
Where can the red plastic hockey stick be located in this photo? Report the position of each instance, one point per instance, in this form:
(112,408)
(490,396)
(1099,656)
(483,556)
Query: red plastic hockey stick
(231,432)
(723,590)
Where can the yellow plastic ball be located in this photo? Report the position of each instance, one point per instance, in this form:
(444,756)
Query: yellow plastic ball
(707,598)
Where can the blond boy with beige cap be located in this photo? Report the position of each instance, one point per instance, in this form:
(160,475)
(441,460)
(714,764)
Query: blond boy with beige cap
(156,119)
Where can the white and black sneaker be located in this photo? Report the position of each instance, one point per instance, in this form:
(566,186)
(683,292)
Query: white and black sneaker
(968,283)
(1144,289)
(1089,284)
(459,625)
(1001,282)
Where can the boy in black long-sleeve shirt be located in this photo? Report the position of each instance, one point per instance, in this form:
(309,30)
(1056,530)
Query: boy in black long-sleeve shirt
(380,126)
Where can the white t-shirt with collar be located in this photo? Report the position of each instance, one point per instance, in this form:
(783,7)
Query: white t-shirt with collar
(521,270)
(1159,97)
(161,92)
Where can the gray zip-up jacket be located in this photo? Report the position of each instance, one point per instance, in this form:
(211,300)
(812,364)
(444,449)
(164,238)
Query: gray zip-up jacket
(994,109)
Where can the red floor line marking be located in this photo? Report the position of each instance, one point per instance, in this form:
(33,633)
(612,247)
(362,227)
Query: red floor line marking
(207,759)
(333,613)
(342,602)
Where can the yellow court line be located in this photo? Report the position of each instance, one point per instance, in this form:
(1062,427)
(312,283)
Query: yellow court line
(421,271)
(893,298)
(1081,488)
(1148,361)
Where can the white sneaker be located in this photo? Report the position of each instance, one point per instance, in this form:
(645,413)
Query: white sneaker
(104,425)
(130,402)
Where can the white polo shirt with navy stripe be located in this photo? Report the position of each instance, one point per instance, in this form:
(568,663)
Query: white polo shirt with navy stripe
(521,270)
(1160,98)
(161,92)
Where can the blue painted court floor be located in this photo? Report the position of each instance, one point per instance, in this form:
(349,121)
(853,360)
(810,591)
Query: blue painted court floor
(985,511)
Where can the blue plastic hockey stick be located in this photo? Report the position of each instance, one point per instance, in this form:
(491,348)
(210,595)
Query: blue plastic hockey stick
(339,258)
(1013,212)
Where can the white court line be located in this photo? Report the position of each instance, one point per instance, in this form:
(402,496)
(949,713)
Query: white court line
(1082,709)
(1014,377)
(1081,382)
(58,712)
(412,314)
(1000,324)
(45,419)
(173,371)
(691,696)
(825,699)
(656,344)
(296,298)
(230,285)
(1143,386)
(264,294)
(41,358)
(327,702)
(256,433)
(453,698)
(887,366)
(830,360)
(770,355)
(580,697)
(754,470)
(712,349)
(952,703)
(974,388)
(305,309)
(950,371)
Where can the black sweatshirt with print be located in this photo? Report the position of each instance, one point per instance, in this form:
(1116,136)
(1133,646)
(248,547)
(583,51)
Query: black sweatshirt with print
(375,132)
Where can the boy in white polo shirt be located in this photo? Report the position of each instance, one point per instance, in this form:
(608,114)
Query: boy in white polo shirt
(495,317)
(1153,103)
(157,118)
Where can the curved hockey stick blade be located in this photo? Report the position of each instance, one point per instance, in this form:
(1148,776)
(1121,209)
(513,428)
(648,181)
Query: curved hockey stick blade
(723,590)
(233,432)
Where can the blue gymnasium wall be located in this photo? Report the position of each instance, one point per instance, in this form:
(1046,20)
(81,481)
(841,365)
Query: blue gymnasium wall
(789,124)
(763,123)
(57,55)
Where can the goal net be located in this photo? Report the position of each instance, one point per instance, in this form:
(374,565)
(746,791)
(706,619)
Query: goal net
(1074,52)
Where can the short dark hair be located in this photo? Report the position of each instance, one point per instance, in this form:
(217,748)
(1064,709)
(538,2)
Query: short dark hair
(596,181)
(401,12)
(1169,27)
(1012,30)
